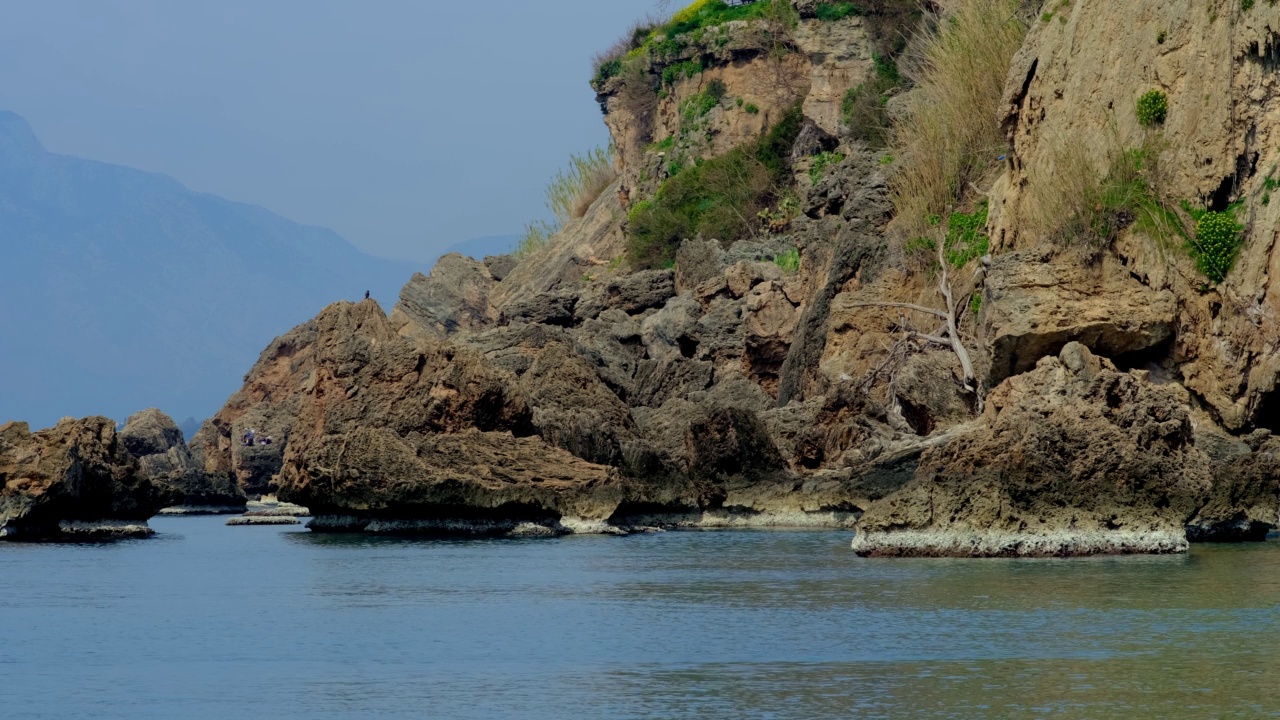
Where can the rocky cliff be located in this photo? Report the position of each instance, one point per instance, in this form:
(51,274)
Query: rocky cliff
(75,480)
(1037,370)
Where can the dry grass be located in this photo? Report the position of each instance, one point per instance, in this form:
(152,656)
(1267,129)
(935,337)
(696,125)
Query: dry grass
(947,137)
(1072,202)
(569,195)
(536,236)
(633,38)
(575,188)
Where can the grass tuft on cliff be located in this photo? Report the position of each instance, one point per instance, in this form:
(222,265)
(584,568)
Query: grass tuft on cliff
(575,187)
(946,139)
(1073,203)
(569,195)
(720,198)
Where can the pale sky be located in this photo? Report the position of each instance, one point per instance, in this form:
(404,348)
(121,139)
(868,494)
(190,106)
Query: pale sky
(405,126)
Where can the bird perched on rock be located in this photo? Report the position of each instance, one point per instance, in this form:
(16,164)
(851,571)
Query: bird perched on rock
(366,294)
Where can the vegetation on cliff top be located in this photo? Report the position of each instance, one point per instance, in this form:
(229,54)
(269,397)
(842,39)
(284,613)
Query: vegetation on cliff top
(659,43)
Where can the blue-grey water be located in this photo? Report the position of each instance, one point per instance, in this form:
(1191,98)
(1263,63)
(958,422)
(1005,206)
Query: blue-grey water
(207,621)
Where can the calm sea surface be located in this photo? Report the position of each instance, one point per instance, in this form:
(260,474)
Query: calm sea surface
(207,621)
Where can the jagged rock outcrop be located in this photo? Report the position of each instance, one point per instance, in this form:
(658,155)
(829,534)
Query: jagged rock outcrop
(156,442)
(1245,502)
(267,403)
(414,431)
(454,298)
(73,480)
(1072,458)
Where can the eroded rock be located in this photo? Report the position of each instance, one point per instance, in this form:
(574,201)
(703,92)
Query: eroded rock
(1072,458)
(453,299)
(156,442)
(1036,303)
(73,480)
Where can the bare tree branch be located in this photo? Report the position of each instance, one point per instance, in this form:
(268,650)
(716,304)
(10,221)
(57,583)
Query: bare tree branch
(903,306)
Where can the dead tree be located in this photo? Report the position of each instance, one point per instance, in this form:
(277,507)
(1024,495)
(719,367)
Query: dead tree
(948,336)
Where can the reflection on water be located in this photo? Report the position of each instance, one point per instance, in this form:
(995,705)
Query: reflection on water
(211,622)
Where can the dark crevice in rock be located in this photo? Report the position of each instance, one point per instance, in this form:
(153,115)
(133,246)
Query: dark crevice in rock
(1266,414)
(1237,531)
(688,346)
(1157,356)
(628,513)
(1267,55)
(1220,199)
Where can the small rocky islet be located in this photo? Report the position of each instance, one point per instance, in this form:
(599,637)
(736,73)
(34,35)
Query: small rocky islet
(1078,399)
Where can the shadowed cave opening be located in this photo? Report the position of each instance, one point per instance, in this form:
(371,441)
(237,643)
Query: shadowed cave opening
(1266,415)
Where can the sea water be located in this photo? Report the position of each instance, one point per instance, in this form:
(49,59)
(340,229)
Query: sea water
(209,621)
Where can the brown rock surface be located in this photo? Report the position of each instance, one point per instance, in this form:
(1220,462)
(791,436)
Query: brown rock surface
(1072,458)
(75,479)
(155,441)
(453,298)
(1035,303)
(1073,90)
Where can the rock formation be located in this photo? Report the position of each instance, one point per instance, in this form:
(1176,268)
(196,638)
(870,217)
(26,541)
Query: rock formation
(155,441)
(75,480)
(1072,458)
(794,374)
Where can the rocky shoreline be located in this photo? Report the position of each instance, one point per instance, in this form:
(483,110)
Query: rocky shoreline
(1002,389)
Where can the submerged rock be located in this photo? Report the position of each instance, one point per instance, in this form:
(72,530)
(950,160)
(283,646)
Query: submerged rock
(71,481)
(1073,458)
(263,520)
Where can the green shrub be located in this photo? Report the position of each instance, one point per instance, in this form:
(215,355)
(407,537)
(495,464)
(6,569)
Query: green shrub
(966,239)
(709,13)
(607,69)
(663,145)
(686,69)
(1217,241)
(774,149)
(752,109)
(789,261)
(864,107)
(821,162)
(697,106)
(719,198)
(1153,108)
(837,10)
(716,89)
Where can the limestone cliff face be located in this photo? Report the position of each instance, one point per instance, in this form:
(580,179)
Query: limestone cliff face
(1074,87)
(763,73)
(73,480)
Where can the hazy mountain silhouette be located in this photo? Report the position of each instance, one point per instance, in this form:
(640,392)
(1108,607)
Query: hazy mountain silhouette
(122,289)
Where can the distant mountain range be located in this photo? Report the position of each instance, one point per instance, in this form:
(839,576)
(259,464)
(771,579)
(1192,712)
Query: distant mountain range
(122,289)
